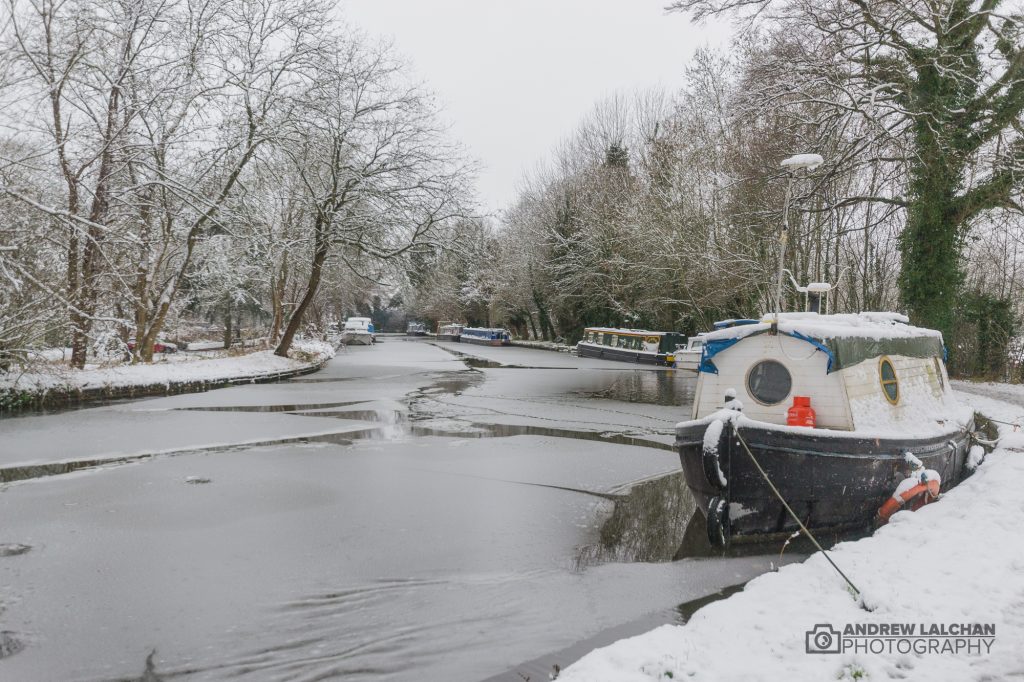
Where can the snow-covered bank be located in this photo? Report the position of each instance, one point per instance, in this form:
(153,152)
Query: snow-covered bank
(544,345)
(960,561)
(183,372)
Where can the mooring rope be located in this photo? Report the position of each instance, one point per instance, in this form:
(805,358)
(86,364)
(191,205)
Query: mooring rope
(1016,425)
(793,514)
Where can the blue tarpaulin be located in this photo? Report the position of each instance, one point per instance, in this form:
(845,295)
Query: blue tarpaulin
(842,352)
(713,348)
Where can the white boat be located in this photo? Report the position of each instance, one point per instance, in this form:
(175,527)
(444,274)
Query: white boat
(688,356)
(358,331)
(837,411)
(449,331)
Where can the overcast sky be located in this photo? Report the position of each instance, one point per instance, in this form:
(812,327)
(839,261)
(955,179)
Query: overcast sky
(516,76)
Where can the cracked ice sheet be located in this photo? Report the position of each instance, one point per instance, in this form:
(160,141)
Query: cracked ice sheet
(555,399)
(364,372)
(292,393)
(107,432)
(583,465)
(531,357)
(298,561)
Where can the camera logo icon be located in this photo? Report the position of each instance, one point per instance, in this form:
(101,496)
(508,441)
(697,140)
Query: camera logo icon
(823,639)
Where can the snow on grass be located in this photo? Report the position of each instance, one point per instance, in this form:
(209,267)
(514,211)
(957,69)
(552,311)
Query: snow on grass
(182,369)
(960,560)
(544,345)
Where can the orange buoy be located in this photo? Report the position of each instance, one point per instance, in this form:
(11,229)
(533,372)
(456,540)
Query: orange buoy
(912,493)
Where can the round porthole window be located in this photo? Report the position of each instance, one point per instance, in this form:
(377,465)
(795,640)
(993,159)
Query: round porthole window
(769,382)
(890,383)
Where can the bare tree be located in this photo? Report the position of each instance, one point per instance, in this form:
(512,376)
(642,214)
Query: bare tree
(379,179)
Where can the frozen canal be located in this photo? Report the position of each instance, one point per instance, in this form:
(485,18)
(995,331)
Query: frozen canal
(408,513)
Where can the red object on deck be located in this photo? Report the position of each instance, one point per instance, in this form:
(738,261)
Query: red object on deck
(801,414)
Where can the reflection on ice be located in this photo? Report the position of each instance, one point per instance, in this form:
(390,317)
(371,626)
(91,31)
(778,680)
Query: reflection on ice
(647,523)
(666,387)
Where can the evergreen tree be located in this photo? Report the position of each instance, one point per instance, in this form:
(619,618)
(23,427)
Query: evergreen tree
(941,83)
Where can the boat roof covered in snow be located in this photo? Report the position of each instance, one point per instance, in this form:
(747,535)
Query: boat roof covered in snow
(622,330)
(847,339)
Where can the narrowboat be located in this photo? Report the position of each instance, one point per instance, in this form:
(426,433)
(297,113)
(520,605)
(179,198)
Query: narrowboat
(485,336)
(843,414)
(630,345)
(449,331)
(416,329)
(358,331)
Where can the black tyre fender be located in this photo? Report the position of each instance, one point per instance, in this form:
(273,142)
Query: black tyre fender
(713,468)
(719,530)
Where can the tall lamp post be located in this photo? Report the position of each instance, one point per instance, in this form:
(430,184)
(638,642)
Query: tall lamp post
(791,165)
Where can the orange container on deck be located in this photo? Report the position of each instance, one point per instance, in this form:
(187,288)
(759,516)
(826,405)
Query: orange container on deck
(801,413)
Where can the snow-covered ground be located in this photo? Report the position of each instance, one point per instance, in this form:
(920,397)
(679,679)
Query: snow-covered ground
(545,345)
(177,368)
(960,561)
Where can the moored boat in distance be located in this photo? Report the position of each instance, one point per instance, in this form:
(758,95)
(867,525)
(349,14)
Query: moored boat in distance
(416,329)
(486,336)
(630,345)
(358,331)
(449,331)
(688,356)
(841,412)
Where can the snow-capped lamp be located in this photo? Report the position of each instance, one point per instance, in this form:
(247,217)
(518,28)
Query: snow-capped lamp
(791,165)
(815,294)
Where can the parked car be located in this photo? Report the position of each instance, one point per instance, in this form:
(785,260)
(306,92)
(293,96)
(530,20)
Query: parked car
(158,347)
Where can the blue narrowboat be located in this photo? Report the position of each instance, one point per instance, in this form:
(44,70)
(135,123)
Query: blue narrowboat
(486,336)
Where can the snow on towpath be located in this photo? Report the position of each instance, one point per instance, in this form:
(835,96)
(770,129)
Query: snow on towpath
(185,370)
(955,562)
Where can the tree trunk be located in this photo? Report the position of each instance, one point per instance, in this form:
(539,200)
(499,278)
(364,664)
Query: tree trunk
(533,326)
(227,329)
(930,246)
(931,274)
(320,250)
(545,320)
(278,286)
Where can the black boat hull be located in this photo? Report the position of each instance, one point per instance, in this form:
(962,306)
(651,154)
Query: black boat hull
(831,482)
(485,342)
(620,354)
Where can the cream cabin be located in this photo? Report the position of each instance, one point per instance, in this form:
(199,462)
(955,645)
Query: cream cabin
(868,371)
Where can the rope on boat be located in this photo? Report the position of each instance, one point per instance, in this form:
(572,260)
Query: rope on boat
(793,514)
(1016,425)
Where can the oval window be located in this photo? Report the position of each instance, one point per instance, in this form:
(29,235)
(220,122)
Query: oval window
(769,382)
(890,383)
